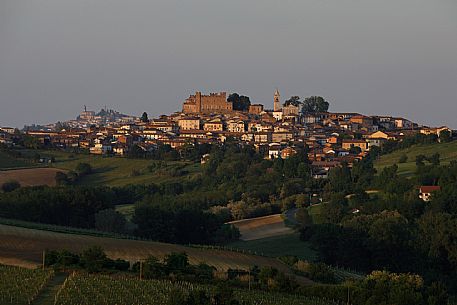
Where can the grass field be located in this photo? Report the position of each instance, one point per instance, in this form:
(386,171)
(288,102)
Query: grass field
(447,151)
(24,246)
(262,227)
(126,209)
(315,213)
(118,171)
(277,246)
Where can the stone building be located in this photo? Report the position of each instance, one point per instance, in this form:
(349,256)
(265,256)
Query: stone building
(277,101)
(214,102)
(255,109)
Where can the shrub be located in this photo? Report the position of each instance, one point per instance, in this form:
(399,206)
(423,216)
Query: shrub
(10,186)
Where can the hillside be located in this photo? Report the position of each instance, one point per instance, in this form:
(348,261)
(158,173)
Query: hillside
(447,151)
(22,246)
(118,171)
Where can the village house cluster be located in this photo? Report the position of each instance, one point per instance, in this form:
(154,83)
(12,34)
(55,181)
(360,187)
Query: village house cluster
(331,137)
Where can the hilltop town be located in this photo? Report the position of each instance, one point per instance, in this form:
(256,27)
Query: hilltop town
(330,137)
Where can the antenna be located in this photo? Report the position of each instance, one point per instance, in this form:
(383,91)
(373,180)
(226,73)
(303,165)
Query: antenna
(85,108)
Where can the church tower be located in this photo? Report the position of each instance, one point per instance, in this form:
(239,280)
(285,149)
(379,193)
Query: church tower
(277,101)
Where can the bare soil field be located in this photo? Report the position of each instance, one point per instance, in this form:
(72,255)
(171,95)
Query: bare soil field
(31,176)
(21,246)
(262,227)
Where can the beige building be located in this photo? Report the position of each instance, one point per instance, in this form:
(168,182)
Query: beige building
(236,126)
(213,125)
(255,109)
(189,123)
(362,144)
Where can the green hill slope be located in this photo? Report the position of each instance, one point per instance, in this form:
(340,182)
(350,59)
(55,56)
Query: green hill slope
(447,151)
(118,171)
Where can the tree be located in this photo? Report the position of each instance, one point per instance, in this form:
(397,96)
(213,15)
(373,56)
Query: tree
(61,178)
(240,102)
(177,262)
(303,218)
(153,268)
(83,169)
(403,158)
(144,117)
(10,186)
(293,100)
(315,104)
(93,259)
(445,136)
(110,220)
(434,159)
(420,160)
(335,209)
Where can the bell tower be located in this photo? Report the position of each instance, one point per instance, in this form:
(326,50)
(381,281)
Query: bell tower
(277,101)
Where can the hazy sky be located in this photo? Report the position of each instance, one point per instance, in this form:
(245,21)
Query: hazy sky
(394,57)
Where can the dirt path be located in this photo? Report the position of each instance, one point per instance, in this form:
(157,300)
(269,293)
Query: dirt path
(47,296)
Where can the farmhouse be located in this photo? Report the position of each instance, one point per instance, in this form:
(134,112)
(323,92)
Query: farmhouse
(426,191)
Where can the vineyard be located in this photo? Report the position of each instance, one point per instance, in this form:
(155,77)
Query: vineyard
(20,286)
(82,289)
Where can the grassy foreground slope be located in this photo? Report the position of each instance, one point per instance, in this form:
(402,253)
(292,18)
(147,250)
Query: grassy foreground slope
(27,245)
(447,151)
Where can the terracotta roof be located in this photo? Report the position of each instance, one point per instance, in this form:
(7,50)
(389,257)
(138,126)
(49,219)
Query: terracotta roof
(429,188)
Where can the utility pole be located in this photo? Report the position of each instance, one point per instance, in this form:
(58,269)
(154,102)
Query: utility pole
(44,259)
(348,297)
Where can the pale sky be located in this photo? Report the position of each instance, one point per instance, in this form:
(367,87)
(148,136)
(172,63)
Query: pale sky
(395,57)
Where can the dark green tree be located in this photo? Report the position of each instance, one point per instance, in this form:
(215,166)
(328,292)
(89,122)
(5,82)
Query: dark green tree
(315,104)
(110,220)
(10,186)
(293,100)
(240,102)
(93,259)
(144,117)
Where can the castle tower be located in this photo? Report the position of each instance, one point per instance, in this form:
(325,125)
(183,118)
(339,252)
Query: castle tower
(198,101)
(277,101)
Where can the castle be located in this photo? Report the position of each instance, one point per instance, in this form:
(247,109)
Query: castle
(214,102)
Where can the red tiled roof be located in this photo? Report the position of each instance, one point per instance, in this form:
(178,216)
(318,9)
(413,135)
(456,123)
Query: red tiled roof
(429,188)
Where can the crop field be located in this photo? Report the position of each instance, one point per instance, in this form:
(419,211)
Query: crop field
(447,151)
(21,286)
(276,246)
(82,289)
(31,176)
(26,246)
(262,227)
